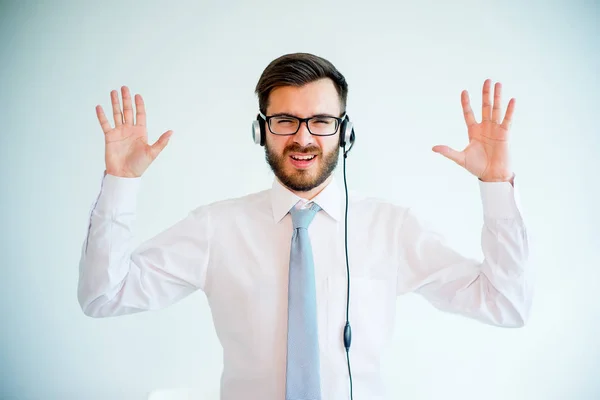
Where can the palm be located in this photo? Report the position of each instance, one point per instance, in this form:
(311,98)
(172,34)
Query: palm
(127,153)
(127,149)
(486,156)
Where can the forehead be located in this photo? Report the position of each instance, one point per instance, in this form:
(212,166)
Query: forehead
(319,97)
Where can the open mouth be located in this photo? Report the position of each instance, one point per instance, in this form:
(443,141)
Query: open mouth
(303,161)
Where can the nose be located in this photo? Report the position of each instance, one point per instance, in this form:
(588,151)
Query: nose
(303,136)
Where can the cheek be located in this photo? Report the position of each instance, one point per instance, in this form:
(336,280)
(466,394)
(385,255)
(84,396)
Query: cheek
(275,144)
(329,145)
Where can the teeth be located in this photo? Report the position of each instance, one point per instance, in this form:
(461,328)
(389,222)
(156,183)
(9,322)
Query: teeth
(303,157)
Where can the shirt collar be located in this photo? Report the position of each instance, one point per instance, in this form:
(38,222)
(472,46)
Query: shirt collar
(329,199)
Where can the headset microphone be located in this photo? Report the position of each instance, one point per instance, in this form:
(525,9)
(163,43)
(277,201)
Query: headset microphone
(347,136)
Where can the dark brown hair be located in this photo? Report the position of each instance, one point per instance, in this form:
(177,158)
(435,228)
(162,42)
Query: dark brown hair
(298,69)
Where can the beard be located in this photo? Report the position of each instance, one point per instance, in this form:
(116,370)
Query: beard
(302,180)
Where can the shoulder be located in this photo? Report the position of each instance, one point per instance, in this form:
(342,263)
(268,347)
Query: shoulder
(376,205)
(231,207)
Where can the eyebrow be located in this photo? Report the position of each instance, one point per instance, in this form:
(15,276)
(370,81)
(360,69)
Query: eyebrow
(292,115)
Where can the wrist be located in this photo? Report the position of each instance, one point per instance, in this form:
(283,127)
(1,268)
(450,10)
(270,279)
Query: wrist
(508,177)
(120,174)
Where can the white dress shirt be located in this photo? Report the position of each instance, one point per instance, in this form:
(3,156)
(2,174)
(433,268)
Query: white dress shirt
(237,252)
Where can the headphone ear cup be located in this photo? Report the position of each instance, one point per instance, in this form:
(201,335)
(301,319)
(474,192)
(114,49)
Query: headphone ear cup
(263,131)
(258,131)
(343,132)
(346,132)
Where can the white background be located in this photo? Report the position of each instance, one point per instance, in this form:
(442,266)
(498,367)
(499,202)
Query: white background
(196,64)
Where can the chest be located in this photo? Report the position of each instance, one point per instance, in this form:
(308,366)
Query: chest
(249,273)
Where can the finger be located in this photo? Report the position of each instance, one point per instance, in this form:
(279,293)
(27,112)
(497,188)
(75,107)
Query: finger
(127,109)
(160,144)
(497,103)
(116,106)
(140,111)
(507,122)
(456,156)
(486,108)
(104,124)
(467,110)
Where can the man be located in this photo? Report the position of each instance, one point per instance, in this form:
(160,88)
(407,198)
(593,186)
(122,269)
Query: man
(273,264)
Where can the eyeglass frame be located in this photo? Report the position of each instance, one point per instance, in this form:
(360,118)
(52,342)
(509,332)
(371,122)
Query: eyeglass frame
(301,120)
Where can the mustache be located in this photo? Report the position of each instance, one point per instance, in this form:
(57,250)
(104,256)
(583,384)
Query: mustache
(299,149)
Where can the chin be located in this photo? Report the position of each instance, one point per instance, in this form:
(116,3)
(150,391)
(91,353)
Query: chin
(302,179)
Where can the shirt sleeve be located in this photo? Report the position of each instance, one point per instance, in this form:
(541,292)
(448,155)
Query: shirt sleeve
(116,277)
(497,290)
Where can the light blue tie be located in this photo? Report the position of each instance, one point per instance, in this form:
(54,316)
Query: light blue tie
(303,370)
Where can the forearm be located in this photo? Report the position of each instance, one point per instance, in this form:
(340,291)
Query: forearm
(506,287)
(501,293)
(105,261)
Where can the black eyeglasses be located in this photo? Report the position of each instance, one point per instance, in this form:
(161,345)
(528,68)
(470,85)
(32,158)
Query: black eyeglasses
(319,125)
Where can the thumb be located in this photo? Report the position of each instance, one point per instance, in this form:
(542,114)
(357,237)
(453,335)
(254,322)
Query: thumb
(160,144)
(448,152)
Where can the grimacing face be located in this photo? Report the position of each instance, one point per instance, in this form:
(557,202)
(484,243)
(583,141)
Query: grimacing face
(315,98)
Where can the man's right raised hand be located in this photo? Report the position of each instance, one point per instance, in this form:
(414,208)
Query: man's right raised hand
(127,153)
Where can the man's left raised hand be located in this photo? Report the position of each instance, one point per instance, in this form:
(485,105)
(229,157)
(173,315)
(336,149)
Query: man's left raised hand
(487,154)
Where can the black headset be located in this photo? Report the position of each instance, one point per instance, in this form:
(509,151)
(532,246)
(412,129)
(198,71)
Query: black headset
(347,136)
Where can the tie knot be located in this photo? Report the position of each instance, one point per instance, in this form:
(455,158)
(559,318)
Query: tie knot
(302,217)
